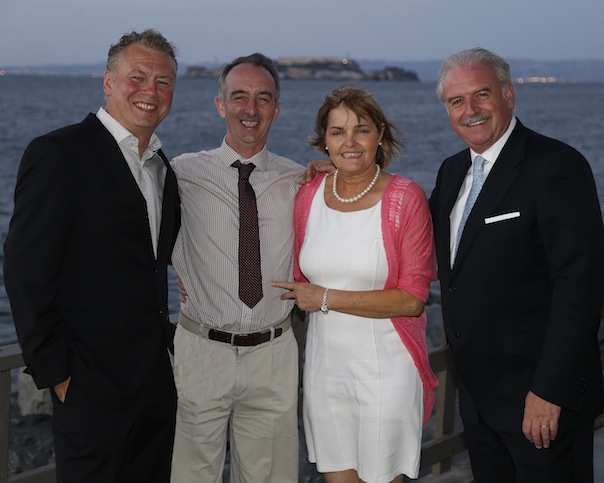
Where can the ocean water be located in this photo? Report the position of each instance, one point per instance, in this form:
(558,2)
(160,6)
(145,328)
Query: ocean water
(31,106)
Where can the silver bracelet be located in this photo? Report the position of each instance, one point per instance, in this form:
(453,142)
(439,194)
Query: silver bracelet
(324,307)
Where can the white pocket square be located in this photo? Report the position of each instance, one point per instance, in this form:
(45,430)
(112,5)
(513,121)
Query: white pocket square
(505,216)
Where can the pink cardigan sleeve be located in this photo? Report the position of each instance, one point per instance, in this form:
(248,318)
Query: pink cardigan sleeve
(409,244)
(408,237)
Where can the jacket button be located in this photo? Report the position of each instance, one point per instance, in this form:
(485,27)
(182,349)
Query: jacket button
(452,289)
(455,335)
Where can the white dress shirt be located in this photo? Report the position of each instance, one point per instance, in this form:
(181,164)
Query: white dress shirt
(148,170)
(490,155)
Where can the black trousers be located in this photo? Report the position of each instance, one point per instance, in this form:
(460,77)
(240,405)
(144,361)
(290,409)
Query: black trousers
(98,444)
(499,457)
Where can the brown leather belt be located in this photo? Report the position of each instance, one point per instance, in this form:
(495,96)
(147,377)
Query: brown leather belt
(241,340)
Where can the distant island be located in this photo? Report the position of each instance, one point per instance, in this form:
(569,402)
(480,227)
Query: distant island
(319,68)
(523,70)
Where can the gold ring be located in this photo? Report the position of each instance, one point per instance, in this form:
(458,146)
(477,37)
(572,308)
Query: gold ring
(544,425)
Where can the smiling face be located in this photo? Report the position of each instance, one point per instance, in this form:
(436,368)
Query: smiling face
(249,108)
(479,110)
(139,90)
(352,143)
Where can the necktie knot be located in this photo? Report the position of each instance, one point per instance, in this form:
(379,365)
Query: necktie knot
(244,169)
(478,169)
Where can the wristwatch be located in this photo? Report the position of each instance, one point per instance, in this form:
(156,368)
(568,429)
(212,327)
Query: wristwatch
(324,307)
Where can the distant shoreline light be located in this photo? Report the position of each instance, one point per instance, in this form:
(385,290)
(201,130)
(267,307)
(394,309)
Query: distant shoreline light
(536,80)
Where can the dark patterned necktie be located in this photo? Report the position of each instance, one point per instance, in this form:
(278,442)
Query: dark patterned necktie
(250,275)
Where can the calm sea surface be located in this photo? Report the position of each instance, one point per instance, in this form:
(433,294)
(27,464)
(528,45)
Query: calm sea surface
(30,106)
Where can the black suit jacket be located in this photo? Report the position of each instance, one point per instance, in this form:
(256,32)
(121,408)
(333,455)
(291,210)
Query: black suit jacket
(522,304)
(88,296)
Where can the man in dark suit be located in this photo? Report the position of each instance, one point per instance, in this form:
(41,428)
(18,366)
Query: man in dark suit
(522,286)
(96,215)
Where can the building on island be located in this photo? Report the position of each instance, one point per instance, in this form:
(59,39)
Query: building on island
(319,68)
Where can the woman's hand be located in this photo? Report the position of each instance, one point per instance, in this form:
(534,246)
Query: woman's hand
(374,304)
(318,166)
(182,293)
(308,297)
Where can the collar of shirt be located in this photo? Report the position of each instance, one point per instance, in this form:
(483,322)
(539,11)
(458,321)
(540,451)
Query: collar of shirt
(492,153)
(125,138)
(228,156)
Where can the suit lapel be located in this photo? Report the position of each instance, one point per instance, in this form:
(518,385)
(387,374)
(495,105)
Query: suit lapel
(169,211)
(497,184)
(109,153)
(453,179)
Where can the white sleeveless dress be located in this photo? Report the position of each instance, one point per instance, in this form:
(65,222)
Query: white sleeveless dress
(363,398)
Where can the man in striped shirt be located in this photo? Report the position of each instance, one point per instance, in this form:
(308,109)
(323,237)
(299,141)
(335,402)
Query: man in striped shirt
(236,366)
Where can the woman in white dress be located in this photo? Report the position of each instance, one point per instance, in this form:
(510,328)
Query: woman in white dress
(363,264)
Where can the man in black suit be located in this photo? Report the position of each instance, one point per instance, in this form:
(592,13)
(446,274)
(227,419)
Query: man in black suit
(522,286)
(95,219)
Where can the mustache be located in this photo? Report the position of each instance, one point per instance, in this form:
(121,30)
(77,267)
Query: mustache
(474,119)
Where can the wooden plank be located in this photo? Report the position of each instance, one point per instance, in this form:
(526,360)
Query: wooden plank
(440,358)
(441,449)
(44,474)
(10,357)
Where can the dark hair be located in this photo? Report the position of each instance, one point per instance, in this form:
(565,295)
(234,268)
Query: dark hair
(471,57)
(256,59)
(150,38)
(363,104)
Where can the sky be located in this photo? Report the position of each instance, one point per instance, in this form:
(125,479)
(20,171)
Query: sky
(34,32)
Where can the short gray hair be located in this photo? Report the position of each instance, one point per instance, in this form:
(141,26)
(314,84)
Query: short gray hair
(471,57)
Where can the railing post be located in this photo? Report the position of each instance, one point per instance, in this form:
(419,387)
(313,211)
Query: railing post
(445,410)
(10,358)
(299,328)
(5,395)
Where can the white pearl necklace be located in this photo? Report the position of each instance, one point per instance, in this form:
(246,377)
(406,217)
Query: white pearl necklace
(361,194)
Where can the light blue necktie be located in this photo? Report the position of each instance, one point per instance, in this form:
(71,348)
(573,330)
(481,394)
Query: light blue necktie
(477,181)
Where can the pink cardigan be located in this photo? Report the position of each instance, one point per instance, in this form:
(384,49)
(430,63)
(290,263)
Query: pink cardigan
(408,240)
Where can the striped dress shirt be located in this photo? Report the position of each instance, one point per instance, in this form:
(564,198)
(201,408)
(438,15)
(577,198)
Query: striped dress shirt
(206,252)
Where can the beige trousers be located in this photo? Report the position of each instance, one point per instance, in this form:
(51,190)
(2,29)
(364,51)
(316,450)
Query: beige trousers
(248,395)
